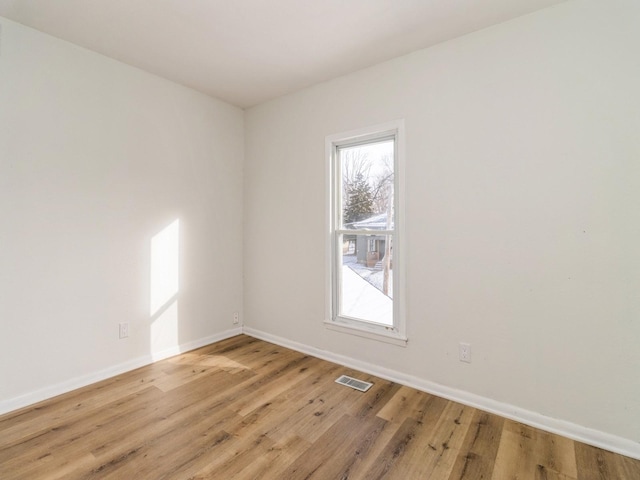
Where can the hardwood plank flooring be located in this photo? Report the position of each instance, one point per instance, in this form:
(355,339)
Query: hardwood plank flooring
(247,409)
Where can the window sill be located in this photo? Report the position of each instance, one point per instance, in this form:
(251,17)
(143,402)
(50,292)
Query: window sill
(379,334)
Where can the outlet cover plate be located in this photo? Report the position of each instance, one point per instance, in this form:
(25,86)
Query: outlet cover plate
(465,352)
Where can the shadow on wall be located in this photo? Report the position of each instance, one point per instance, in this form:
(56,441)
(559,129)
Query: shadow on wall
(164,282)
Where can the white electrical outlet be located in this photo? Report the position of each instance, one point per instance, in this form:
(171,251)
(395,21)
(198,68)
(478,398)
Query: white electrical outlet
(124,330)
(236,318)
(465,352)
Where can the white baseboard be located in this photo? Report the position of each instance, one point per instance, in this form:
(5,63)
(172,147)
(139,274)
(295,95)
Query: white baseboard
(570,430)
(82,381)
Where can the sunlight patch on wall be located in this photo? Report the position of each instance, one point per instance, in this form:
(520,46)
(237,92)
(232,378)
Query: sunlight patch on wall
(163,306)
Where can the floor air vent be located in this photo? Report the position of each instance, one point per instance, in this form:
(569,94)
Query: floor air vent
(354,383)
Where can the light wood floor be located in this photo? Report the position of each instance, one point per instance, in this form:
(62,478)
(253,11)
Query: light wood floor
(247,409)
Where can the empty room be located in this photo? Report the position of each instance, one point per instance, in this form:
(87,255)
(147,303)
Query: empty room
(293,239)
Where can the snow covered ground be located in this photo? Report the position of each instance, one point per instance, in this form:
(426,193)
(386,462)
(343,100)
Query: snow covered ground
(374,277)
(361,299)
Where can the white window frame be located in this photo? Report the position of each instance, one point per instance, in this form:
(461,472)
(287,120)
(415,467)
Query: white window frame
(395,334)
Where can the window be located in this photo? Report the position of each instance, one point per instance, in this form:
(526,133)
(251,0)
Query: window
(365,250)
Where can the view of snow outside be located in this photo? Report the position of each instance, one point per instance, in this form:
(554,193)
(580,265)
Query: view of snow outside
(375,277)
(367,172)
(362,295)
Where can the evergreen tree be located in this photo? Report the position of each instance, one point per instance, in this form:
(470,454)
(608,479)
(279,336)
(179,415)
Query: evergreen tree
(359,200)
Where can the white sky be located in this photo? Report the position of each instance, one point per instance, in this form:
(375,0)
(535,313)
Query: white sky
(376,153)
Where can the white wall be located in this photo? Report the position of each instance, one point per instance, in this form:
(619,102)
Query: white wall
(96,158)
(523,215)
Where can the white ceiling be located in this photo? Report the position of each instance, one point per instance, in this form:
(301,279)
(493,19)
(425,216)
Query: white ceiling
(248,51)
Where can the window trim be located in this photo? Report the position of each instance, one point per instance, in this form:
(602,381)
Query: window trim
(396,334)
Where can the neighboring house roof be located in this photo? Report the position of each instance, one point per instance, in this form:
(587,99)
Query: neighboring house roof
(376,222)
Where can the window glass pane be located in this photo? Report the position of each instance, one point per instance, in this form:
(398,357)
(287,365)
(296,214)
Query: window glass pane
(366,177)
(366,286)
